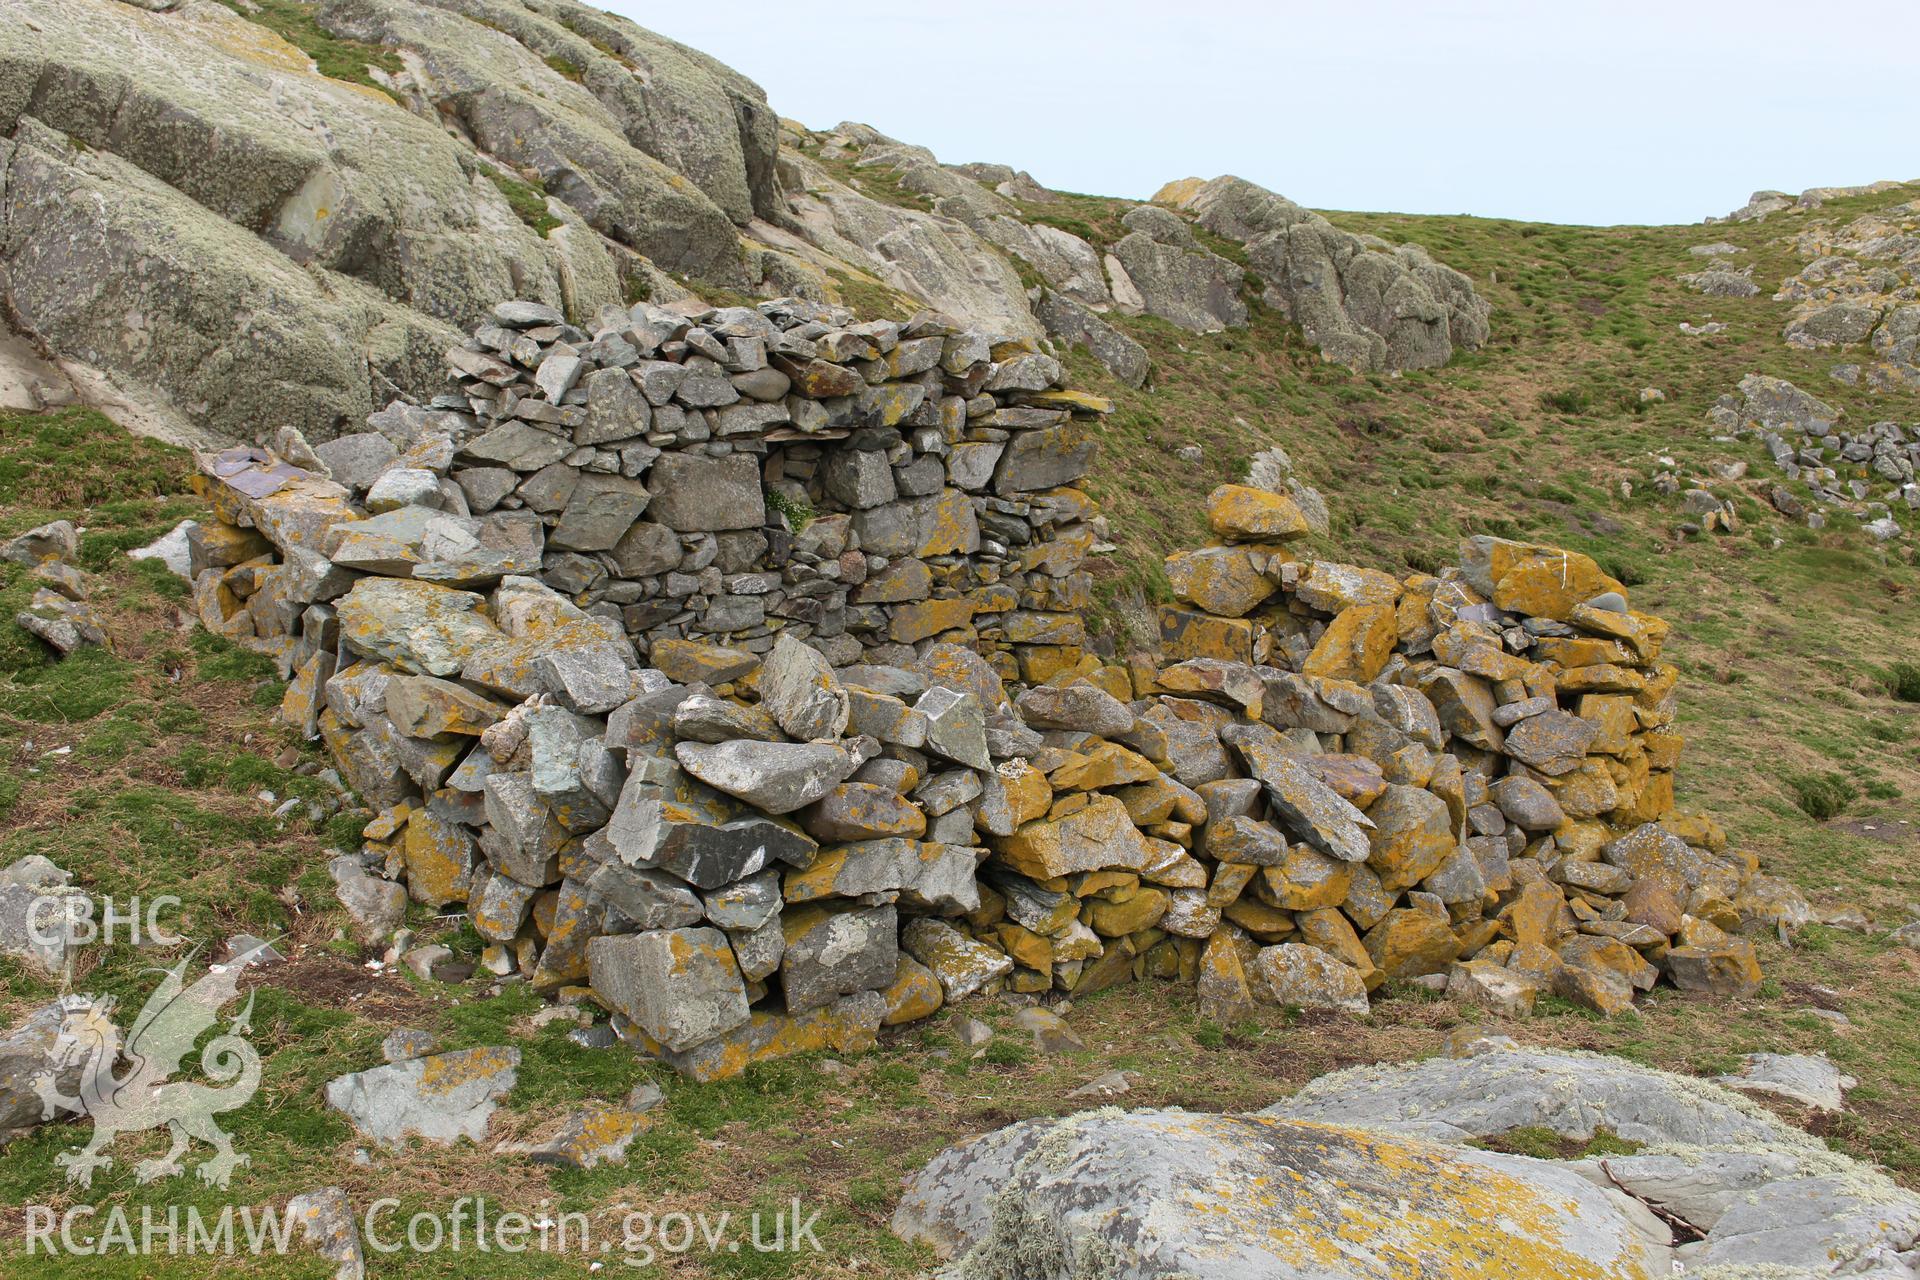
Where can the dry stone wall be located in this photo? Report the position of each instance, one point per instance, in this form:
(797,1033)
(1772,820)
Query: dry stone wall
(727,668)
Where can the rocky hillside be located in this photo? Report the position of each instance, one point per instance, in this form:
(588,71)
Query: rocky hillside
(214,269)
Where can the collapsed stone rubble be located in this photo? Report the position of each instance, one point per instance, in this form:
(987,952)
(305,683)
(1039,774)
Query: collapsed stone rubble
(729,669)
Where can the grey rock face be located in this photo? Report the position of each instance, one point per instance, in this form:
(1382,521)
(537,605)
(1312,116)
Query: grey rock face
(680,986)
(1811,1081)
(1184,285)
(52,1041)
(1777,405)
(441,1098)
(799,690)
(1152,1194)
(1456,1100)
(776,777)
(1361,301)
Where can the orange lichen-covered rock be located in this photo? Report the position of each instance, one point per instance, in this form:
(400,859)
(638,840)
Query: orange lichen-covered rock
(1241,513)
(1410,942)
(1186,634)
(1097,836)
(1219,580)
(1355,645)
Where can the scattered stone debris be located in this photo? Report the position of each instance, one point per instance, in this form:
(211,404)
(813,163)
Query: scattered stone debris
(59,613)
(1807,440)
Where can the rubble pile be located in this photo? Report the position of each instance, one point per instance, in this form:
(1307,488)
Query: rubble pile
(766,723)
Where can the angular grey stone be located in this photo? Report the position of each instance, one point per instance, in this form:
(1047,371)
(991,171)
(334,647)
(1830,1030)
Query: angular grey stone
(1044,459)
(696,494)
(1083,707)
(649,899)
(1310,808)
(798,688)
(56,541)
(403,487)
(775,777)
(375,906)
(746,904)
(680,986)
(599,513)
(1554,742)
(758,951)
(956,726)
(970,465)
(647,550)
(962,964)
(1526,803)
(55,1040)
(498,907)
(563,771)
(705,718)
(519,446)
(356,460)
(859,479)
(591,679)
(615,409)
(441,1098)
(522,838)
(1299,976)
(830,953)
(327,1226)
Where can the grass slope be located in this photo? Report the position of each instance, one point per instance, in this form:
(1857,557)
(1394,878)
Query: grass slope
(1785,638)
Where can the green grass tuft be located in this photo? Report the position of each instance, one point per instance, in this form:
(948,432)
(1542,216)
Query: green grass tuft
(336,57)
(528,200)
(1822,795)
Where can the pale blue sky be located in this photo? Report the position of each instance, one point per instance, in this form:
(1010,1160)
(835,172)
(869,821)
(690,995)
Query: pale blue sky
(1626,111)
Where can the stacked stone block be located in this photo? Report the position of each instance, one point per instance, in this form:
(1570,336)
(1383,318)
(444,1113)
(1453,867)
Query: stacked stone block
(764,731)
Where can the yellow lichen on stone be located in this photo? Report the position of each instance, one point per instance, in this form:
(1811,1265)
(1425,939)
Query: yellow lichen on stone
(1242,513)
(1355,645)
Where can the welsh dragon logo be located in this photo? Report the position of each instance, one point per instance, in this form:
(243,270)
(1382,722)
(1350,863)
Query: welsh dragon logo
(173,1018)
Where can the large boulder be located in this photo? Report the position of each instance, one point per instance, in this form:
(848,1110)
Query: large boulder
(1173,1193)
(1369,1174)
(1362,301)
(229,330)
(1156,271)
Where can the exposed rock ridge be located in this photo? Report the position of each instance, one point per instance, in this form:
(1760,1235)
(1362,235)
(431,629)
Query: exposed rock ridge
(1361,300)
(225,270)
